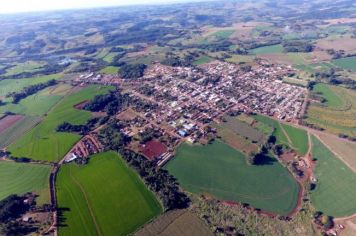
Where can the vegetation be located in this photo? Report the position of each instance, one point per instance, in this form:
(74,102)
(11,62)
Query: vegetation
(114,201)
(348,63)
(111,103)
(220,171)
(20,178)
(334,192)
(43,142)
(135,71)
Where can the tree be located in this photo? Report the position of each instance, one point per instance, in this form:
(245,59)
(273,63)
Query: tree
(135,71)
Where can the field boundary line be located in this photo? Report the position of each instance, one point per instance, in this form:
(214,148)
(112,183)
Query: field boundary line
(335,154)
(87,202)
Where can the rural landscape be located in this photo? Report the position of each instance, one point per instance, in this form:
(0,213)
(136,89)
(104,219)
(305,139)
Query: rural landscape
(231,117)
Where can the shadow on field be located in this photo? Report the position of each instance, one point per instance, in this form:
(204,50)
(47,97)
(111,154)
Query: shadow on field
(262,159)
(60,216)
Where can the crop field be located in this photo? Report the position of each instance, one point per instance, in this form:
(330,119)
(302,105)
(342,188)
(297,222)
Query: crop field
(43,142)
(336,183)
(348,63)
(13,132)
(29,66)
(220,171)
(223,34)
(203,60)
(175,223)
(110,70)
(267,50)
(337,115)
(20,178)
(15,85)
(243,129)
(295,138)
(346,151)
(104,197)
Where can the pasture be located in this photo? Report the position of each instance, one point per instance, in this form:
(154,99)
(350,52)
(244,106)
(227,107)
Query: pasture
(223,34)
(110,70)
(20,178)
(348,63)
(29,66)
(219,171)
(337,114)
(175,223)
(104,197)
(336,183)
(202,60)
(278,48)
(43,142)
(295,138)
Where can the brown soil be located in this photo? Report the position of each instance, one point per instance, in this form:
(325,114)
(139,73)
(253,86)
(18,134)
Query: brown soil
(81,105)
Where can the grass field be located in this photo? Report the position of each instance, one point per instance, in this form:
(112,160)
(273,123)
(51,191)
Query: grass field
(295,138)
(220,171)
(15,85)
(267,49)
(348,63)
(30,66)
(223,34)
(19,178)
(337,114)
(104,197)
(175,223)
(17,130)
(336,187)
(110,70)
(43,142)
(203,60)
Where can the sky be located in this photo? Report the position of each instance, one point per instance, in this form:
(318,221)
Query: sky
(14,6)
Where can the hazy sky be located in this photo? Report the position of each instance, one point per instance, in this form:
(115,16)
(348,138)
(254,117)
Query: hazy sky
(12,6)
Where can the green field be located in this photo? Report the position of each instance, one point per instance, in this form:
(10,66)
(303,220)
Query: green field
(202,60)
(220,171)
(336,187)
(30,66)
(332,99)
(17,130)
(19,178)
(43,142)
(223,34)
(295,138)
(15,85)
(110,70)
(104,197)
(267,50)
(348,63)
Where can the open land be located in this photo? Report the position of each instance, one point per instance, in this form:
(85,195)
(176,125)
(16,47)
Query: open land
(220,171)
(114,201)
(19,178)
(335,188)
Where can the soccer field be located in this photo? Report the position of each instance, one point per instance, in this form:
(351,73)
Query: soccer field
(220,171)
(104,197)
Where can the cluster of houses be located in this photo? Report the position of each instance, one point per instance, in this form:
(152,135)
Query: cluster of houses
(85,147)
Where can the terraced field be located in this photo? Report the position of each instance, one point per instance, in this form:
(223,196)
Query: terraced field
(338,114)
(220,171)
(336,183)
(19,178)
(43,142)
(104,197)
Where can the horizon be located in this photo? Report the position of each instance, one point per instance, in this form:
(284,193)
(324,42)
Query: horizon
(19,6)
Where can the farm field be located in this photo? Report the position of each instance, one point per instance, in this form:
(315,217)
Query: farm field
(110,70)
(295,138)
(220,171)
(15,85)
(343,149)
(175,223)
(337,115)
(13,132)
(336,183)
(43,142)
(20,178)
(348,63)
(267,50)
(203,60)
(114,201)
(223,34)
(29,66)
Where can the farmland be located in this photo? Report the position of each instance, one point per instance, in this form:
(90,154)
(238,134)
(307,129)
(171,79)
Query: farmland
(110,70)
(267,50)
(43,142)
(29,66)
(220,171)
(114,201)
(337,114)
(348,63)
(18,178)
(336,189)
(175,223)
